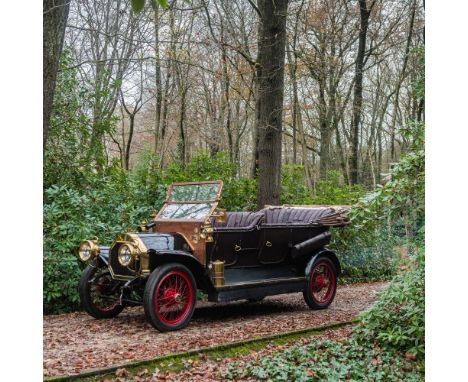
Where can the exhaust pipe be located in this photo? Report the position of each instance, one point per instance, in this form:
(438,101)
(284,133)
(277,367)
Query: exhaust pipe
(305,247)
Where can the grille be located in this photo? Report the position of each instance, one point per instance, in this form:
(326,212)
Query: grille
(118,269)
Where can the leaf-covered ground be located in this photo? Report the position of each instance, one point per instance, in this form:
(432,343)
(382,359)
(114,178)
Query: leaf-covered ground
(76,342)
(214,369)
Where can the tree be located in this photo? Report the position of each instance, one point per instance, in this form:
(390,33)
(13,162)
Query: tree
(54,22)
(357,101)
(270,78)
(105,37)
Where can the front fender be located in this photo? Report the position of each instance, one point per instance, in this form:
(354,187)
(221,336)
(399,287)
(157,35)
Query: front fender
(104,255)
(157,258)
(324,253)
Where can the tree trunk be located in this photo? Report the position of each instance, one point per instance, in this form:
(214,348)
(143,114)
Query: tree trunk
(54,22)
(255,130)
(225,100)
(271,54)
(325,133)
(399,83)
(131,118)
(357,102)
(292,64)
(342,154)
(182,142)
(157,67)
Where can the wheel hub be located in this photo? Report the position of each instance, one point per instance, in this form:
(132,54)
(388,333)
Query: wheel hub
(170,295)
(319,283)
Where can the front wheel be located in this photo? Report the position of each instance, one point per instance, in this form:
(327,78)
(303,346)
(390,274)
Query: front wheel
(321,284)
(99,292)
(170,296)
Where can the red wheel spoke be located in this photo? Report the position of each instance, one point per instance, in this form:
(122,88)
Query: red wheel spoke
(173,297)
(322,282)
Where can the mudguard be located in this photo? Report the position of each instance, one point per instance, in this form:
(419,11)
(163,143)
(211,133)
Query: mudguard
(159,257)
(326,253)
(104,255)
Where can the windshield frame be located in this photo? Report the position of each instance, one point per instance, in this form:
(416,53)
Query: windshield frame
(213,202)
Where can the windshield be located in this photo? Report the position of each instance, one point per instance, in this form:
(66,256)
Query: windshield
(194,192)
(185,211)
(189,201)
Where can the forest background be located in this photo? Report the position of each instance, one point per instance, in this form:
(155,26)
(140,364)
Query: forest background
(313,104)
(443,147)
(296,102)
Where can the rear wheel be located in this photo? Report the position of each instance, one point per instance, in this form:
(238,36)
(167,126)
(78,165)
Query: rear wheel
(321,285)
(170,296)
(99,292)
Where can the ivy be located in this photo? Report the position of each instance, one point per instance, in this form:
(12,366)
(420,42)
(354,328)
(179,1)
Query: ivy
(387,344)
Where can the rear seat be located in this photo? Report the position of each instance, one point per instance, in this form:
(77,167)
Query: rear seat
(293,215)
(240,220)
(272,216)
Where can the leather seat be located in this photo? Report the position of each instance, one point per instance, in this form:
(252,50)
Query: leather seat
(296,215)
(241,220)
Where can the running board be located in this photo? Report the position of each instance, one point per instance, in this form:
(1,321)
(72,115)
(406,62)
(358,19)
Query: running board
(257,289)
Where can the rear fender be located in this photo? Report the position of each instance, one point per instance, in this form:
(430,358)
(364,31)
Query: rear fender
(323,253)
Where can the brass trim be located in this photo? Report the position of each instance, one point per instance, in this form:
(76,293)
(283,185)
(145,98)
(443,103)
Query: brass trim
(121,277)
(220,215)
(217,274)
(214,202)
(140,253)
(94,249)
(207,231)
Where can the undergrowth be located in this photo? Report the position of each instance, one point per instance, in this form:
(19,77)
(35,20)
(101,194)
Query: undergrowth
(387,345)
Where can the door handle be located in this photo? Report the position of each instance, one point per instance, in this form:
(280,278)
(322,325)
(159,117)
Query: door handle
(268,244)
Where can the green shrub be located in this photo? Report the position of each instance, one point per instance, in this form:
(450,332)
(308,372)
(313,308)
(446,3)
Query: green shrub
(396,322)
(104,207)
(293,190)
(361,263)
(108,203)
(333,191)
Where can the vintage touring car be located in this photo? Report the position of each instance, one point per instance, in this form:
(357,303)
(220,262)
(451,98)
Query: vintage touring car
(192,245)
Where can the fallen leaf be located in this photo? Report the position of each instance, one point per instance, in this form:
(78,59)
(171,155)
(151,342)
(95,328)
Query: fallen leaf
(121,372)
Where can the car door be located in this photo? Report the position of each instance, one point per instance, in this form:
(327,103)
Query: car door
(275,245)
(237,247)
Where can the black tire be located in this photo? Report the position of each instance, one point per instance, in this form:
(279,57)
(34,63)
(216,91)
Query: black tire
(324,268)
(256,299)
(175,284)
(109,289)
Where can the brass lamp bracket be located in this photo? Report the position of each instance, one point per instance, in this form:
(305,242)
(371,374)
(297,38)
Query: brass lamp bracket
(220,215)
(207,231)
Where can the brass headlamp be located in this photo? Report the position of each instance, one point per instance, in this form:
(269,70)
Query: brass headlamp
(127,253)
(88,250)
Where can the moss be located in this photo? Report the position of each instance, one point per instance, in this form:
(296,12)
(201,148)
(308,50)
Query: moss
(177,362)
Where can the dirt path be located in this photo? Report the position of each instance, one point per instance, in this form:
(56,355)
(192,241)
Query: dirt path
(76,342)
